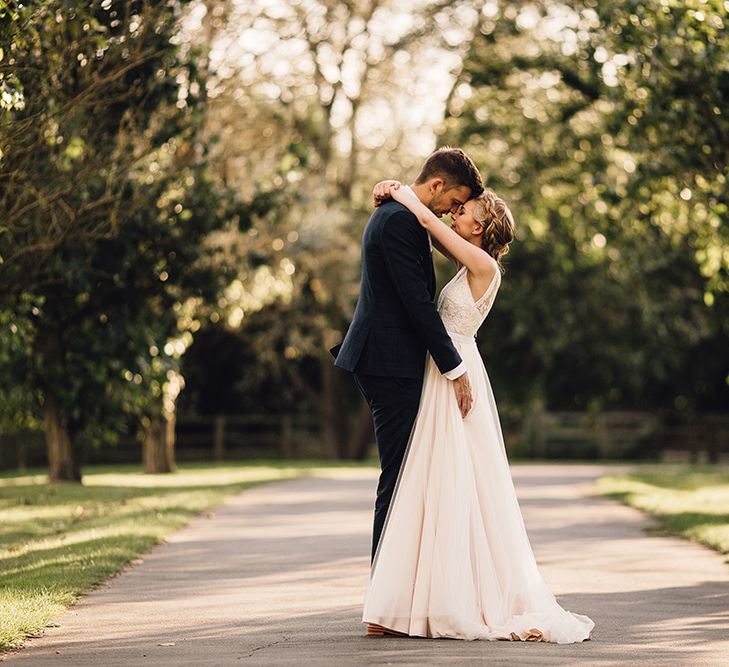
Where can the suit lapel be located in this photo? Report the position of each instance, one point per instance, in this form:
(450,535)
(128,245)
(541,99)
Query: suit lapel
(431,275)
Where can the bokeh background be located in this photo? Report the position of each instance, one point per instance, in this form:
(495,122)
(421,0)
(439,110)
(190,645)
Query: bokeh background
(184,185)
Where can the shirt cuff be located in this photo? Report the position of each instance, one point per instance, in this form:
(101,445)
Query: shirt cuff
(457,371)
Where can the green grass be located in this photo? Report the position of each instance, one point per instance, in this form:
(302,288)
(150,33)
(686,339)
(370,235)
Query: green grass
(59,540)
(692,502)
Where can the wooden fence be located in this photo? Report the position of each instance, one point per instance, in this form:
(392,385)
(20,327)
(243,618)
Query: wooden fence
(623,435)
(249,436)
(540,435)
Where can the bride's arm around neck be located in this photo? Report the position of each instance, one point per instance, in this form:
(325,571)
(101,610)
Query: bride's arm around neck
(478,262)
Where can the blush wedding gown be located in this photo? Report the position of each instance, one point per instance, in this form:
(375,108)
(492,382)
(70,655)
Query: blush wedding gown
(454,559)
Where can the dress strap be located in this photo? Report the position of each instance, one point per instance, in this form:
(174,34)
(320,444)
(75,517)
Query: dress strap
(495,282)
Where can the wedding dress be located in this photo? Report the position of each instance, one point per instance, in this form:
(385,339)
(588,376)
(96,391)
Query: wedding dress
(454,559)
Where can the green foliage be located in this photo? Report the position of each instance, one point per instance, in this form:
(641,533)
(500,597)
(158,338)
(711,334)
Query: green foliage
(603,124)
(294,119)
(10,87)
(264,349)
(16,398)
(107,201)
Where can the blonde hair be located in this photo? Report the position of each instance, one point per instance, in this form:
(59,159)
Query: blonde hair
(492,213)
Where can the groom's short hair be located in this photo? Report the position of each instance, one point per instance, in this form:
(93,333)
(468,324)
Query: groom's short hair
(454,167)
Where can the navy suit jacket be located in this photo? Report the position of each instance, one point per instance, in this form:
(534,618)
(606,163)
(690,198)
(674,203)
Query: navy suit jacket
(395,322)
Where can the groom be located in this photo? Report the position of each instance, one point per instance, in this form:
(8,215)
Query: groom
(396,322)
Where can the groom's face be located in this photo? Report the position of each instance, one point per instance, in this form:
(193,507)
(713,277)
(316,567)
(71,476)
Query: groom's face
(447,200)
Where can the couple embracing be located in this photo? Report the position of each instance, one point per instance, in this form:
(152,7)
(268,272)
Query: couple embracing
(450,553)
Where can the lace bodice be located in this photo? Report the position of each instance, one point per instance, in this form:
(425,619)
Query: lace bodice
(459,312)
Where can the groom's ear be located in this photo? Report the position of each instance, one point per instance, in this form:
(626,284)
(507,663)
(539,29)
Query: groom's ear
(436,184)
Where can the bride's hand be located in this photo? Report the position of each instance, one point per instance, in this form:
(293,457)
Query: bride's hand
(383,190)
(407,197)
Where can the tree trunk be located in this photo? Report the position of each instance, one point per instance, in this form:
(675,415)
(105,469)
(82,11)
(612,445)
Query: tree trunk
(158,444)
(63,463)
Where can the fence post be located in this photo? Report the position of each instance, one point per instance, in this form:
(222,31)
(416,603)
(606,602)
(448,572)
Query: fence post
(694,442)
(286,437)
(539,446)
(602,437)
(219,438)
(710,437)
(22,451)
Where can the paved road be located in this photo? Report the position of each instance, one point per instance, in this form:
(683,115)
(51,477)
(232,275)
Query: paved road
(276,575)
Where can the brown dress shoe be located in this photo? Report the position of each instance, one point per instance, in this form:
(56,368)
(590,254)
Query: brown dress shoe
(374,630)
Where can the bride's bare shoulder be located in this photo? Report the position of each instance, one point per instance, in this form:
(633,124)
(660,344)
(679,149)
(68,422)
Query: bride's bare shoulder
(486,267)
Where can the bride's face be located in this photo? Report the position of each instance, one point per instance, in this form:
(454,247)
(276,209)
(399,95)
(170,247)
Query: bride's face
(464,223)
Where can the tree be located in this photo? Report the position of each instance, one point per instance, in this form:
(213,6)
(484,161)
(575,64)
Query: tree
(603,125)
(311,107)
(106,205)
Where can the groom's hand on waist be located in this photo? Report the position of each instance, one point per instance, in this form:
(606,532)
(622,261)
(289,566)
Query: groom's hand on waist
(464,396)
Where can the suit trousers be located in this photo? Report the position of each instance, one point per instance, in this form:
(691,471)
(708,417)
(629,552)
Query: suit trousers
(394,403)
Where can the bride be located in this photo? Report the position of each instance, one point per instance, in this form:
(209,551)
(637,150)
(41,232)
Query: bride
(454,559)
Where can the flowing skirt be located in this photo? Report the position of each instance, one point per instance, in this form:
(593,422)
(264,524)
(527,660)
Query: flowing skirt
(454,559)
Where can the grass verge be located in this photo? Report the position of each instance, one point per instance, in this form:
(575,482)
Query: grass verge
(59,540)
(692,502)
